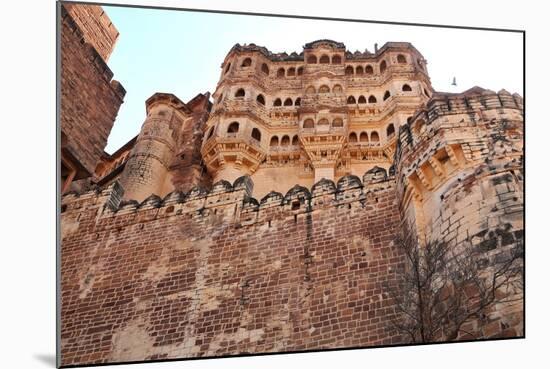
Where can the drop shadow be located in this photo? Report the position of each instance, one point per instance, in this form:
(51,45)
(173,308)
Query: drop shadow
(48,359)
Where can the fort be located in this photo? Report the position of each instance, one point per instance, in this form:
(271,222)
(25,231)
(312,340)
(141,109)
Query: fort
(265,221)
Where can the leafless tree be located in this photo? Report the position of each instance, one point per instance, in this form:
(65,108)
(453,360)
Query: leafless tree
(444,286)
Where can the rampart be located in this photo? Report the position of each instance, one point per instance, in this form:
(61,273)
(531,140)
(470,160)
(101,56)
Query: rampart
(214,271)
(218,272)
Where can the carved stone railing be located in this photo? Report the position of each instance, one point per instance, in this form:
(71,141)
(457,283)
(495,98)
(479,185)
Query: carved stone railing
(324,130)
(243,106)
(337,69)
(282,149)
(336,100)
(364,144)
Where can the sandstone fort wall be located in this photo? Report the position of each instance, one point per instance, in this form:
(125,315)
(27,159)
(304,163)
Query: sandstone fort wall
(157,262)
(220,273)
(90,98)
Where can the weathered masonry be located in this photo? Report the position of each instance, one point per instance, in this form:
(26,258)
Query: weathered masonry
(265,221)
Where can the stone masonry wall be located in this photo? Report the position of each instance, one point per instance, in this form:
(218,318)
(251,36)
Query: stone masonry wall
(166,155)
(97,28)
(186,168)
(460,180)
(219,273)
(90,98)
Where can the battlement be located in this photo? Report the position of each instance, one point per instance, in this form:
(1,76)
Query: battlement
(168,99)
(471,112)
(96,27)
(472,100)
(225,197)
(93,54)
(327,44)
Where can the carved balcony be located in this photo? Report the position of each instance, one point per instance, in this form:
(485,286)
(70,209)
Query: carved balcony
(235,148)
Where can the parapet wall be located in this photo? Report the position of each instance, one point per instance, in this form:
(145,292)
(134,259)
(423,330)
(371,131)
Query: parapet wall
(220,273)
(97,28)
(90,98)
(458,159)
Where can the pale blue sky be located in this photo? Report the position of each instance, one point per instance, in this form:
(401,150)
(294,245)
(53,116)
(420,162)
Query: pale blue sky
(180,52)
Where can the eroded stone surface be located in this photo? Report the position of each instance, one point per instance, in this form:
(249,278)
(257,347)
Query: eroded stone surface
(293,247)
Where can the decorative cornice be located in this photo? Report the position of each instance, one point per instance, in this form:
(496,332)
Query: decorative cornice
(294,56)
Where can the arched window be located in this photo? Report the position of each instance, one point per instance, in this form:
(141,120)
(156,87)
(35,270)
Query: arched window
(246,62)
(310,90)
(351,100)
(390,131)
(337,122)
(300,71)
(386,95)
(265,68)
(260,99)
(281,72)
(364,137)
(308,123)
(312,59)
(349,70)
(233,127)
(362,100)
(336,59)
(359,70)
(298,101)
(274,141)
(295,141)
(374,137)
(324,59)
(291,72)
(401,59)
(383,66)
(239,93)
(277,102)
(337,89)
(353,137)
(285,141)
(324,89)
(369,70)
(420,64)
(227,68)
(256,134)
(372,99)
(406,88)
(288,102)
(323,122)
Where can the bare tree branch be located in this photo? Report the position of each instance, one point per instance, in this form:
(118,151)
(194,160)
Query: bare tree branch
(444,286)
